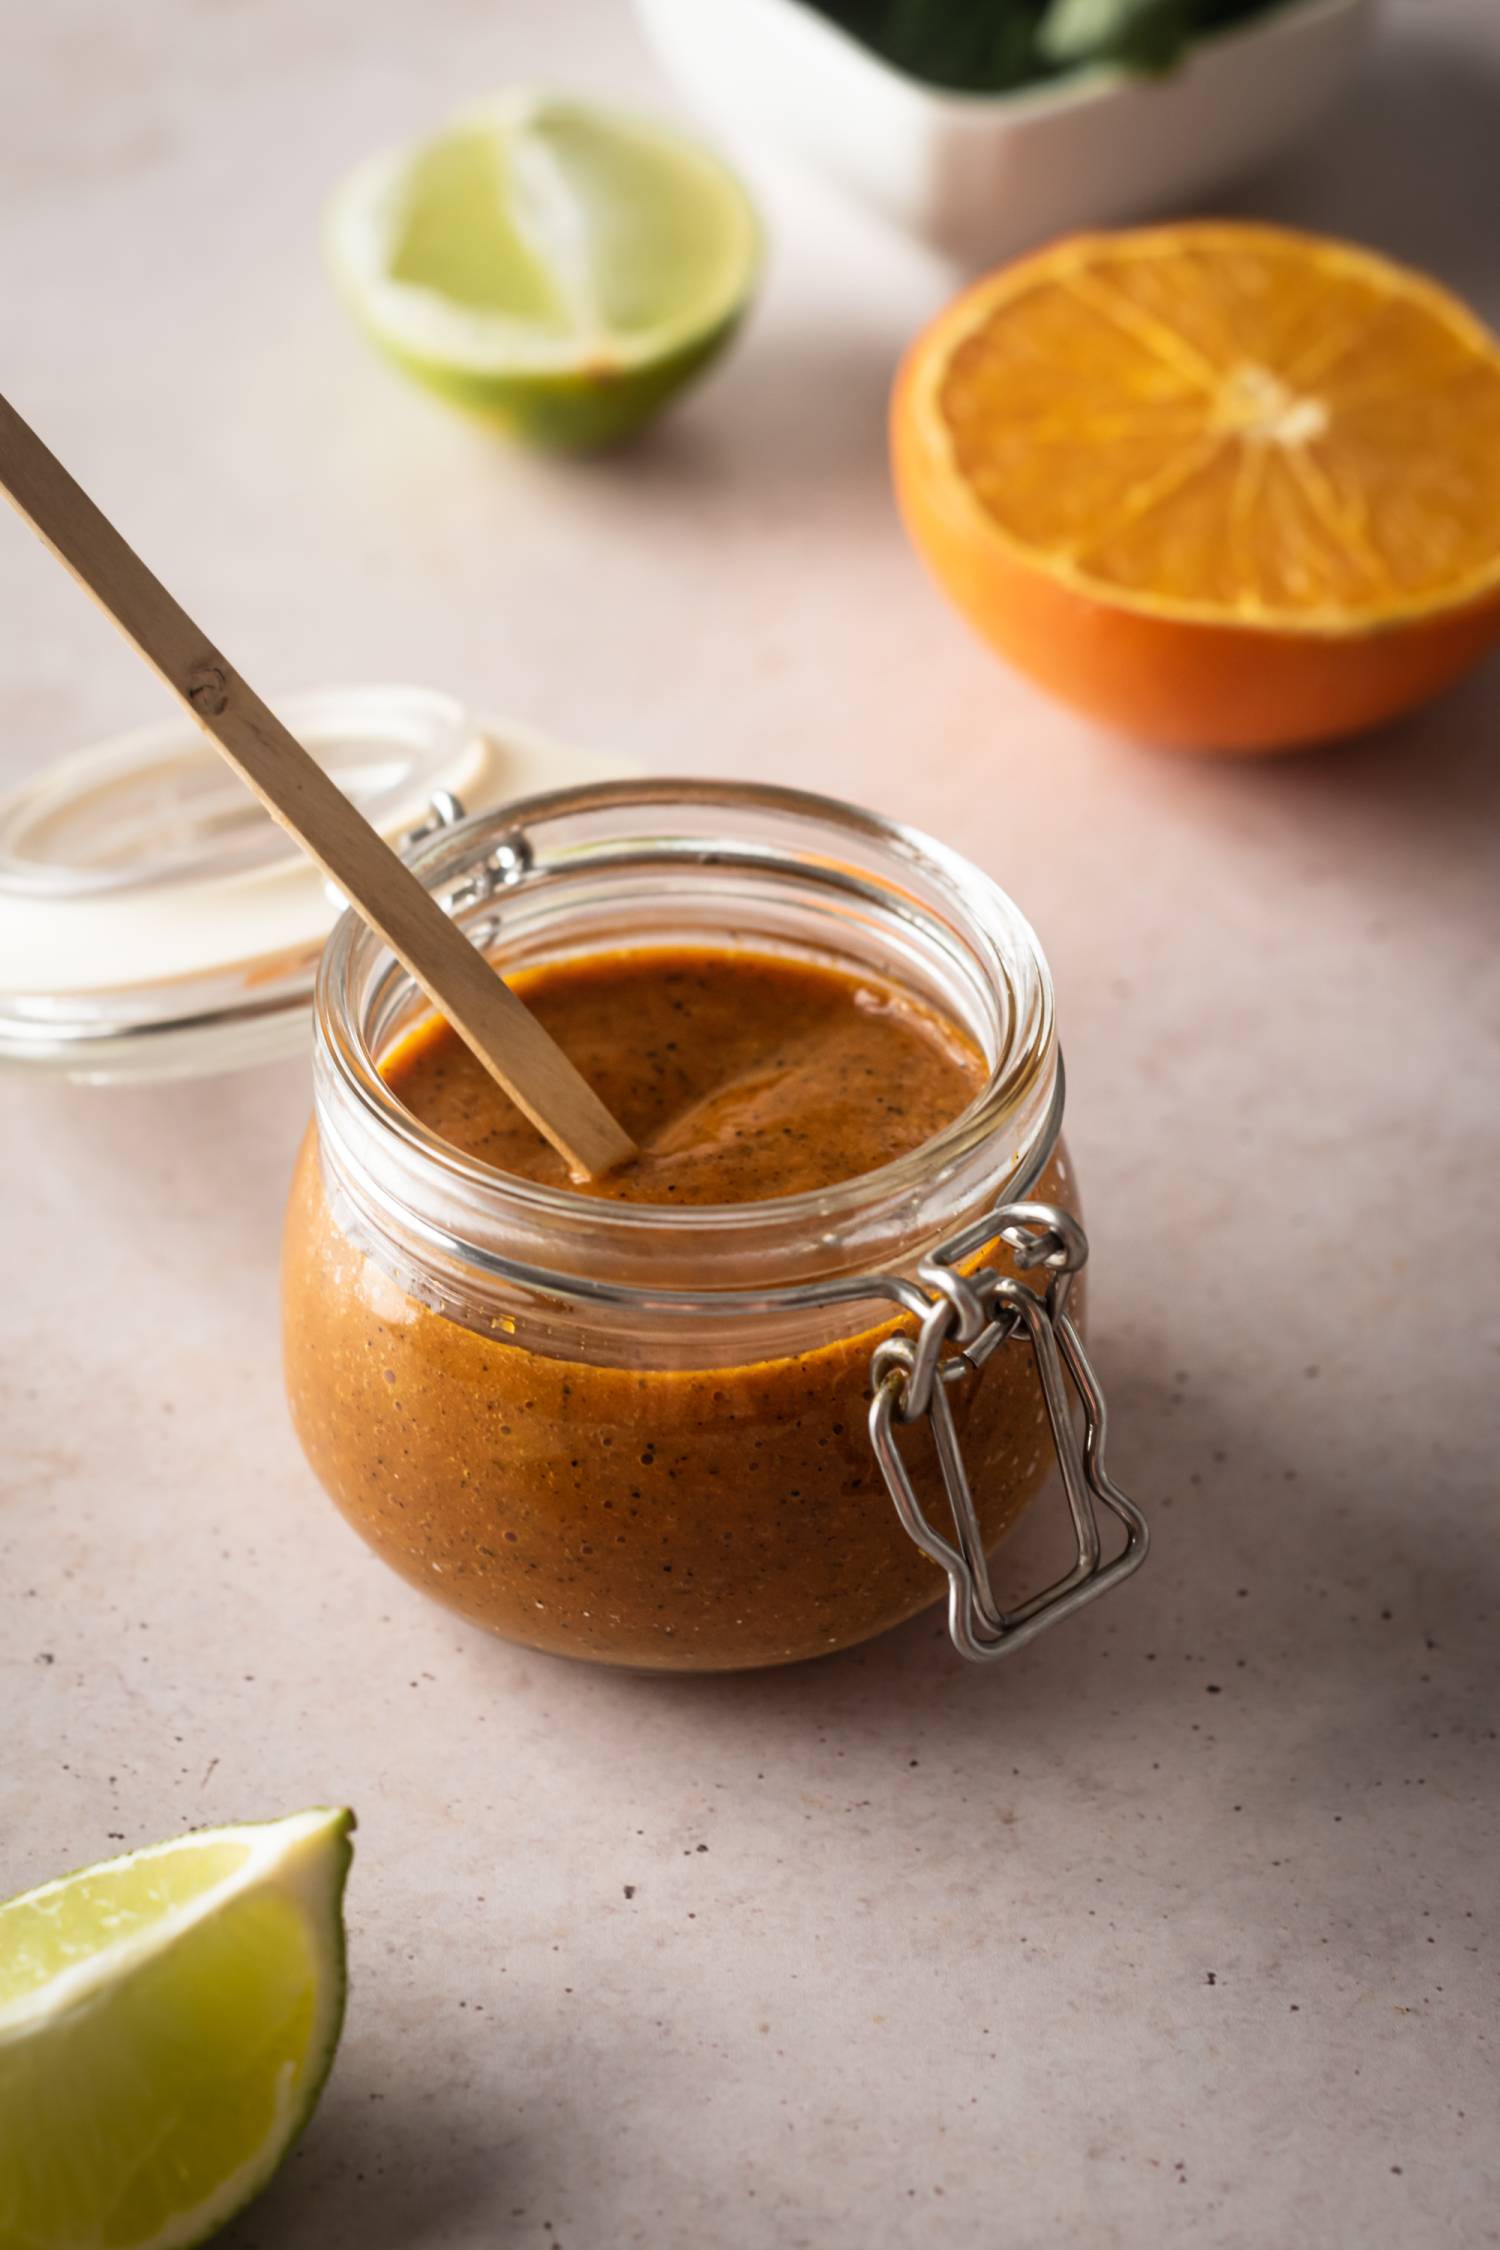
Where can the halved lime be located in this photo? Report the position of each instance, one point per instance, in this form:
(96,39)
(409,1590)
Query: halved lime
(167,2021)
(558,268)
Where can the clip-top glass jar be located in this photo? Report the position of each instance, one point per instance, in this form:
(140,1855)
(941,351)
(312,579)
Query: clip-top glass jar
(685,1439)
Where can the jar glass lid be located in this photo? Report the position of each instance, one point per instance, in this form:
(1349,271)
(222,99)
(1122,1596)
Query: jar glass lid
(155,922)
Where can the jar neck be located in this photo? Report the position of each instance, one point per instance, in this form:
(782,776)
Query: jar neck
(638,865)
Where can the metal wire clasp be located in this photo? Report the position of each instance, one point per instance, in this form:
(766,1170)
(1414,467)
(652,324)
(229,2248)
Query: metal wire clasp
(971,1314)
(507,861)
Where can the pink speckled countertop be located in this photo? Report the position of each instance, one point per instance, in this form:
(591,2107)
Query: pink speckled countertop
(1177,1931)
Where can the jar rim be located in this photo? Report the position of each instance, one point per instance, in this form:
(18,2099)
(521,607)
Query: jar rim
(1018,1090)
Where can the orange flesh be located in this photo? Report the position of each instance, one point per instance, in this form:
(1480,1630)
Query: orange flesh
(1232,421)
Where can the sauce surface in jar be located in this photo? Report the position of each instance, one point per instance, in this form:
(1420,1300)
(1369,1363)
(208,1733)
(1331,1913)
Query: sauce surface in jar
(739,1076)
(665,1517)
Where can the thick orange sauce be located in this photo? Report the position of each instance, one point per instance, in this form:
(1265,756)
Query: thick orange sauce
(739,1076)
(674,1518)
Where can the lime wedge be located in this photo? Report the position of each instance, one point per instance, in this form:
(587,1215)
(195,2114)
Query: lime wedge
(555,267)
(167,2021)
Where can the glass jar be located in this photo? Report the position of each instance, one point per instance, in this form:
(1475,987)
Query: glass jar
(686,1439)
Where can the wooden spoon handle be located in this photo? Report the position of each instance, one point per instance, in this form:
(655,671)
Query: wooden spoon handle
(500,1029)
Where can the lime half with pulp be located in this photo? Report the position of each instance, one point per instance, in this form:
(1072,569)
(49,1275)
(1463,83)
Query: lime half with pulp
(557,268)
(167,2021)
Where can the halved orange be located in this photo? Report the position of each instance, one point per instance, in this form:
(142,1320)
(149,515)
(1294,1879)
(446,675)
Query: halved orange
(1219,485)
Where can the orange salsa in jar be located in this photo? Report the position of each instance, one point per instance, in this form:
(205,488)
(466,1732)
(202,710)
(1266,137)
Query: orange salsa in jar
(641,1419)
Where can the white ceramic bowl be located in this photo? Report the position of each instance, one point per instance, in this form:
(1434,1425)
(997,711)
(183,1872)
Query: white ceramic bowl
(983,175)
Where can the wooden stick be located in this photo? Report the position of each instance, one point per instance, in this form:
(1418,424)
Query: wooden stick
(500,1029)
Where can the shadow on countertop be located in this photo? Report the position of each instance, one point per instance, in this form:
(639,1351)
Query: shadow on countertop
(388,2169)
(1314,1638)
(1405,164)
(1266,1583)
(1424,789)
